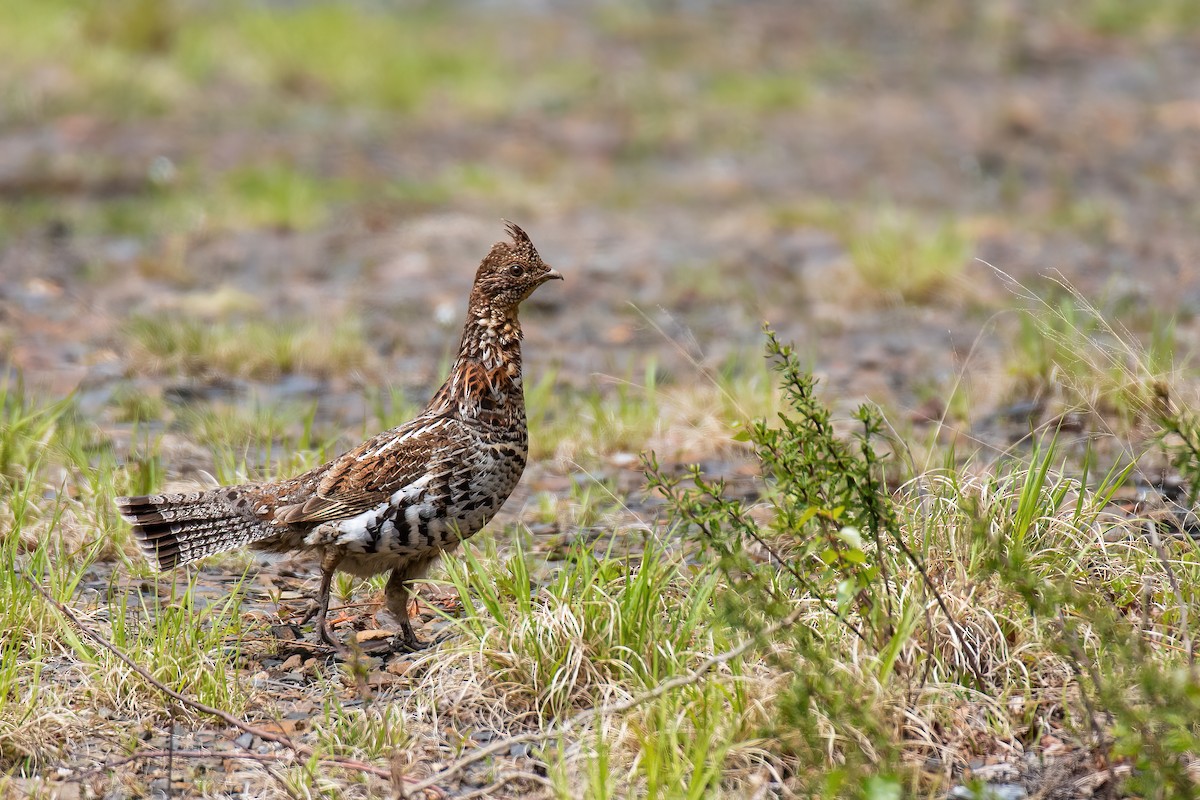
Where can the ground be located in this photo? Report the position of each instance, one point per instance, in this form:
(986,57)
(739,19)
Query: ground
(236,239)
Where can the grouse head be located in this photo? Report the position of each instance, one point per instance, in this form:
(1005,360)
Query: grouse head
(509,273)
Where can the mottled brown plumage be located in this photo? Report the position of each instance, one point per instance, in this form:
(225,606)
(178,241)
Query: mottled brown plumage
(400,499)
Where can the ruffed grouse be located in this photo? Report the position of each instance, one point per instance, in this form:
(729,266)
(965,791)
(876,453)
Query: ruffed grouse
(402,498)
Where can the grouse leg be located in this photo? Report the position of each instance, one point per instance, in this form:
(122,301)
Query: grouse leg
(397,594)
(324,631)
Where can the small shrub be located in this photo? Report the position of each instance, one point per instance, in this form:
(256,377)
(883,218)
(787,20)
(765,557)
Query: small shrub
(1000,599)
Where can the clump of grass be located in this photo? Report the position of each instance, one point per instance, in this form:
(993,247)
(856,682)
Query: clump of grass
(263,443)
(593,421)
(190,645)
(629,416)
(274,195)
(56,472)
(603,621)
(1152,17)
(391,59)
(254,349)
(536,649)
(895,255)
(760,91)
(1067,354)
(351,54)
(52,530)
(134,405)
(28,429)
(136,26)
(372,730)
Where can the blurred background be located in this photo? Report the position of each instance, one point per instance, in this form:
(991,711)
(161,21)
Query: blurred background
(267,202)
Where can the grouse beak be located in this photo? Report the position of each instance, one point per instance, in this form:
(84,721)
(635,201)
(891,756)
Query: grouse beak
(552,275)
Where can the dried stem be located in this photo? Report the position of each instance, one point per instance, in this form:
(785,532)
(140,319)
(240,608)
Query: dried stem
(693,677)
(267,735)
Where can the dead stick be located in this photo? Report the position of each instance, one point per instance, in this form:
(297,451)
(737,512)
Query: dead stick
(196,705)
(505,778)
(692,677)
(146,755)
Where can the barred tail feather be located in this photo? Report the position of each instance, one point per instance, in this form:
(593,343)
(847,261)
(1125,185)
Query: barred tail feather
(175,529)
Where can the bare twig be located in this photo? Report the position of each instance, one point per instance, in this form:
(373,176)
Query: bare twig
(1184,628)
(1092,714)
(505,777)
(267,735)
(693,677)
(147,755)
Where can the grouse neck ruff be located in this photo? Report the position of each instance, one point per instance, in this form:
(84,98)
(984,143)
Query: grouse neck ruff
(401,499)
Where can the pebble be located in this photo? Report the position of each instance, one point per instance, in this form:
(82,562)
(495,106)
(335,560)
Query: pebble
(244,741)
(378,679)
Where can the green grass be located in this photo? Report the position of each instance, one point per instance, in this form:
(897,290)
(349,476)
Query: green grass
(896,256)
(1037,585)
(393,59)
(632,415)
(1001,600)
(191,647)
(55,526)
(1153,17)
(216,70)
(893,255)
(1066,355)
(157,56)
(254,349)
(602,628)
(992,594)
(274,195)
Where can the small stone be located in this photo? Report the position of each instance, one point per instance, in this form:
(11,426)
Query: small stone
(372,635)
(244,741)
(287,633)
(358,665)
(378,679)
(294,662)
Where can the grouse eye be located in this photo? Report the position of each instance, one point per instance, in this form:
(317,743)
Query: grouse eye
(516,270)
